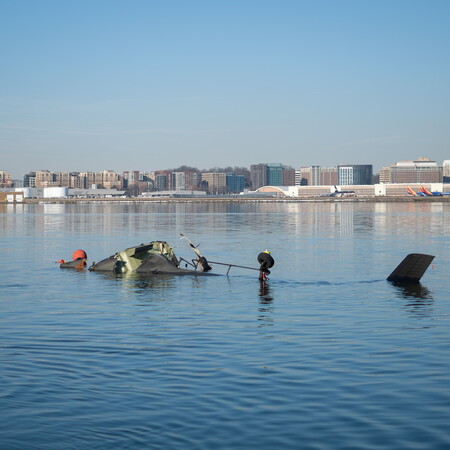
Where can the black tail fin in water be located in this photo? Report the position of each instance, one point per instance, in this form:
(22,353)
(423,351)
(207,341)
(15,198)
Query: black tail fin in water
(411,269)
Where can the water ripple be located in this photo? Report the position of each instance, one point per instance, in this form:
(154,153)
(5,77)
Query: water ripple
(327,354)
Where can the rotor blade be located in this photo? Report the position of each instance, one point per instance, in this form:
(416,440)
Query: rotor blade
(196,251)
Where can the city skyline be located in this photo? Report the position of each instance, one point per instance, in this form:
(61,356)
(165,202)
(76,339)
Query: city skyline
(217,168)
(95,85)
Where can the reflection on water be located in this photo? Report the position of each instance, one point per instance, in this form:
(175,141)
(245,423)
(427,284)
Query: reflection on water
(125,361)
(265,316)
(415,290)
(419,298)
(339,220)
(422,308)
(264,292)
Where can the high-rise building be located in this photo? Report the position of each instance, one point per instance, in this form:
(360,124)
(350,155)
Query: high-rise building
(130,177)
(319,176)
(110,179)
(328,176)
(29,180)
(422,170)
(5,179)
(161,180)
(77,180)
(89,179)
(446,171)
(137,182)
(216,182)
(179,181)
(45,178)
(258,175)
(274,174)
(235,183)
(288,176)
(191,179)
(355,174)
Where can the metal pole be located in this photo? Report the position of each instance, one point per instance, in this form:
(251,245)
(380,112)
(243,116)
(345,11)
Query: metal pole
(232,265)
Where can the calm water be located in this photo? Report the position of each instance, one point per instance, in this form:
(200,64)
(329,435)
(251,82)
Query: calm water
(328,356)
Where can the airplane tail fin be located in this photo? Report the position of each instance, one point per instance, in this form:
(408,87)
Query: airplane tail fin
(410,191)
(411,269)
(422,189)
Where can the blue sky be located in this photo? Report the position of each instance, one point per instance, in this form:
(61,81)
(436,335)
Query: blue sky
(148,85)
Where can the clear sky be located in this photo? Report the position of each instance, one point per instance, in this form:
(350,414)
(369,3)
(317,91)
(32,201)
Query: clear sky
(154,84)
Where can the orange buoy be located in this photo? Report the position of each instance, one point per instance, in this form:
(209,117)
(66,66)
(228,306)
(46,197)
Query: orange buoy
(79,254)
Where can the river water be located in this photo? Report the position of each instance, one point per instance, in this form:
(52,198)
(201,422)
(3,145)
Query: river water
(326,355)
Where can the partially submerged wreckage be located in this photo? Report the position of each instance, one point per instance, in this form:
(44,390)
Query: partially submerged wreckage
(158,257)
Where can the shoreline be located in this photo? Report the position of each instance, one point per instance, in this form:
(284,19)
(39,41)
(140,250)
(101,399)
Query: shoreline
(401,199)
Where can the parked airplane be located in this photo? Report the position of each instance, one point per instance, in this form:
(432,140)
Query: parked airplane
(426,193)
(338,193)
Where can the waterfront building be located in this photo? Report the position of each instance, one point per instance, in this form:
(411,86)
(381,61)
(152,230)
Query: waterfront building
(423,170)
(175,194)
(55,192)
(355,174)
(363,190)
(95,193)
(8,196)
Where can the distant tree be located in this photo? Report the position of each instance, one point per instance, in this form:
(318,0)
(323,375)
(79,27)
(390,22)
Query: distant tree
(243,171)
(185,168)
